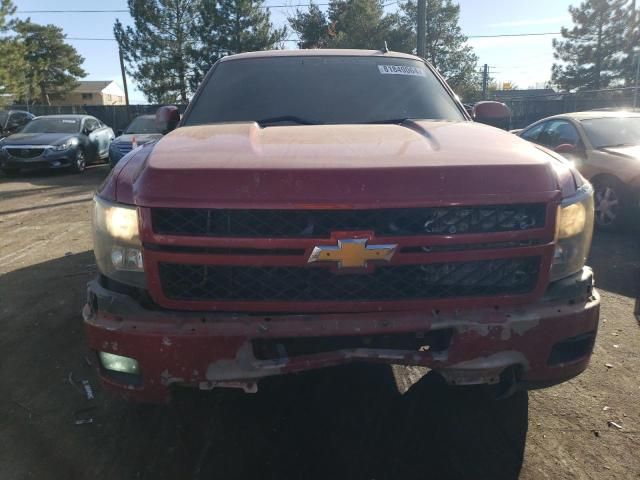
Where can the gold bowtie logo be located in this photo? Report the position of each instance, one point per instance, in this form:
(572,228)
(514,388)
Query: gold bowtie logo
(352,253)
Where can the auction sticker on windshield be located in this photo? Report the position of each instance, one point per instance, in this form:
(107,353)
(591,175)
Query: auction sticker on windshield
(400,70)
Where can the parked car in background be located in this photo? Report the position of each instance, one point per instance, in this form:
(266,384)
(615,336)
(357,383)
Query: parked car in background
(605,146)
(56,141)
(141,130)
(13,120)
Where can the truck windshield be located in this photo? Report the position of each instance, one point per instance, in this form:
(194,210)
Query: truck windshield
(322,90)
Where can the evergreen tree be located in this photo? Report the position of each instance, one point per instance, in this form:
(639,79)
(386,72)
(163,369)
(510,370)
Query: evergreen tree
(347,24)
(50,67)
(11,52)
(589,53)
(174,42)
(311,26)
(445,45)
(225,27)
(631,56)
(159,47)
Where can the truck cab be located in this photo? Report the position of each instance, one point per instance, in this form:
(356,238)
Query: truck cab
(315,208)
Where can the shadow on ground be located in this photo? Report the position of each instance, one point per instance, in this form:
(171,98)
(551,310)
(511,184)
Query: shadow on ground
(347,422)
(615,259)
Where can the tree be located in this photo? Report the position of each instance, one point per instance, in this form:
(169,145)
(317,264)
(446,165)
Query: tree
(632,44)
(589,53)
(7,8)
(174,42)
(311,26)
(347,24)
(446,46)
(159,47)
(233,26)
(50,67)
(12,64)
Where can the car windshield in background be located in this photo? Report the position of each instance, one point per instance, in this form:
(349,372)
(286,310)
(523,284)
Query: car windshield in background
(322,90)
(3,119)
(143,125)
(613,131)
(53,125)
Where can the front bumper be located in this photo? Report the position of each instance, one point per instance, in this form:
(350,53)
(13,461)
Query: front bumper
(545,343)
(48,160)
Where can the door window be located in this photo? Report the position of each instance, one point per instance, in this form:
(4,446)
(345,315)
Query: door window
(533,133)
(559,132)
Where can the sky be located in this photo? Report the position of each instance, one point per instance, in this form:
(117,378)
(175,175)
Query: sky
(524,61)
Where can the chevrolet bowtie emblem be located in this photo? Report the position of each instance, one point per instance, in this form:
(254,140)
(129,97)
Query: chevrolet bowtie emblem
(352,253)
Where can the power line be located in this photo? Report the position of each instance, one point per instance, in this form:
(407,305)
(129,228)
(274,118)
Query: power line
(295,40)
(25,12)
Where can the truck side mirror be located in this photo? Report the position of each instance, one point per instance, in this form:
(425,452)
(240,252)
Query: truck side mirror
(496,114)
(167,118)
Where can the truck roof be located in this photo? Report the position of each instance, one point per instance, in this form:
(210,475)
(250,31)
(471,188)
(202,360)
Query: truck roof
(320,52)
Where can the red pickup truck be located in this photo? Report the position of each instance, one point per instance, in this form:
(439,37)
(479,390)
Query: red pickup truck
(315,208)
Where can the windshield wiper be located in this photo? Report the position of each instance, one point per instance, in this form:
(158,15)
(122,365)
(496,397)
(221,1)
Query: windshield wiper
(286,118)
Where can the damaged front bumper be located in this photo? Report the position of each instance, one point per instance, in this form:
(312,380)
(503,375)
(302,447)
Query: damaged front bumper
(539,344)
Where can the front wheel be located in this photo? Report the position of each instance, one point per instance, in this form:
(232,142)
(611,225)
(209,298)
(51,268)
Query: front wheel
(610,204)
(80,162)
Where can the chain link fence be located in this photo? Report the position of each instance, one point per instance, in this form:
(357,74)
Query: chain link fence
(528,109)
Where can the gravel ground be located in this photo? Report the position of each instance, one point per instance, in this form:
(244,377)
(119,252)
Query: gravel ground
(356,422)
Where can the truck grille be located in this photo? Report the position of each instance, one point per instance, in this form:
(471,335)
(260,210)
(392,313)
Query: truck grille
(320,223)
(429,281)
(25,152)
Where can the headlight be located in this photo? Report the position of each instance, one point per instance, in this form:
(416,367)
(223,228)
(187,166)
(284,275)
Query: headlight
(574,229)
(116,242)
(65,146)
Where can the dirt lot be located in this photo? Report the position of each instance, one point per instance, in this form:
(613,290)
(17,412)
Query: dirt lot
(356,422)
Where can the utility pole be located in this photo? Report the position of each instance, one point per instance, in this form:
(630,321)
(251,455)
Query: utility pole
(485,81)
(124,78)
(422,20)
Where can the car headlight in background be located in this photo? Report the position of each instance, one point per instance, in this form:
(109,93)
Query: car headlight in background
(116,242)
(574,229)
(65,146)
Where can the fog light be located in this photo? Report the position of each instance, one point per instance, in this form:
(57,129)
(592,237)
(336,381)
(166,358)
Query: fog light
(118,363)
(125,258)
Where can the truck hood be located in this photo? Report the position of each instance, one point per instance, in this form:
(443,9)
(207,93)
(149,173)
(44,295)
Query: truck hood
(242,165)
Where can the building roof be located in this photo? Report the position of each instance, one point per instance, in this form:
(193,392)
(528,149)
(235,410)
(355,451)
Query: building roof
(92,86)
(319,52)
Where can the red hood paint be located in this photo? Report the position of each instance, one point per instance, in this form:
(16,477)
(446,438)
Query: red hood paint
(242,165)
